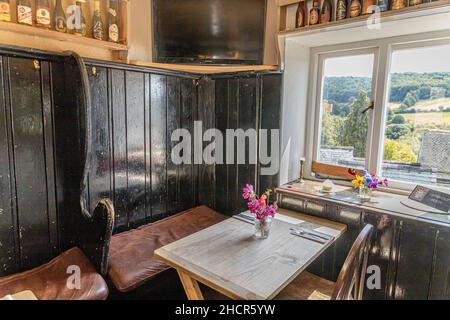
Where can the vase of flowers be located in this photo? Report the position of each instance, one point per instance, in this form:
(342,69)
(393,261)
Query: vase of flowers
(262,210)
(365,183)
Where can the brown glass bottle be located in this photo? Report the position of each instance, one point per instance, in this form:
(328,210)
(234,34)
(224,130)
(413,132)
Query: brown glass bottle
(314,13)
(341,10)
(414,2)
(97,22)
(59,18)
(399,4)
(5,10)
(355,9)
(80,29)
(24,12)
(113,21)
(300,17)
(43,17)
(326,14)
(367,6)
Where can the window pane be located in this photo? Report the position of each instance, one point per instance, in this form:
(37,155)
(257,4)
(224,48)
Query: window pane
(417,138)
(347,91)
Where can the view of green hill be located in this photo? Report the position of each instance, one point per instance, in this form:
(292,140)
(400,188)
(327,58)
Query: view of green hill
(417,102)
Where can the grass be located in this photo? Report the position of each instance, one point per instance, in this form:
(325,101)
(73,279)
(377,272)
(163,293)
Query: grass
(426,105)
(438,118)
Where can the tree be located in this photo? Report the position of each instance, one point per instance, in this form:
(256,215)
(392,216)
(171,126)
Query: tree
(396,131)
(354,127)
(398,119)
(397,151)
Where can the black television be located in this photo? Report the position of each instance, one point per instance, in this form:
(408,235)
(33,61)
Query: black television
(209,31)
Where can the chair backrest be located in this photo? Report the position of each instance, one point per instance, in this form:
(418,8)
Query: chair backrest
(350,283)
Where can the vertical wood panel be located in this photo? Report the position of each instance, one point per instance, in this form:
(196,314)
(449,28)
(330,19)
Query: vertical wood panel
(415,261)
(186,175)
(440,280)
(234,194)
(206,114)
(8,259)
(29,156)
(67,153)
(270,120)
(158,145)
(148,148)
(100,173)
(119,138)
(135,93)
(222,120)
(47,110)
(173,123)
(248,119)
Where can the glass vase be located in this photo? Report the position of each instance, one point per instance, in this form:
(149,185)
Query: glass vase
(262,227)
(365,193)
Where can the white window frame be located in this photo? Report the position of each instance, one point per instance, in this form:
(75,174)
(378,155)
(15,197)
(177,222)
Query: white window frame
(383,49)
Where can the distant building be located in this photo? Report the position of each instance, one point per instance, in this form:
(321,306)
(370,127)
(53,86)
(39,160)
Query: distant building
(435,150)
(437,93)
(327,107)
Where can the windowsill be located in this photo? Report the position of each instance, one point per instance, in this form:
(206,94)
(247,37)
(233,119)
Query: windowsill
(383,201)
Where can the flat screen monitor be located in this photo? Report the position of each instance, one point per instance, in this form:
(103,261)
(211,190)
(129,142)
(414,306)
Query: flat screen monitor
(209,31)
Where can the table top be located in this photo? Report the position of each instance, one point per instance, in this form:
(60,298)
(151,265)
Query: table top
(227,258)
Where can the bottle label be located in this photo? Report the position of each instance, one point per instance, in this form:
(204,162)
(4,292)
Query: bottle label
(314,17)
(300,20)
(43,16)
(98,30)
(24,15)
(398,4)
(60,24)
(112,12)
(415,2)
(341,11)
(355,9)
(5,12)
(114,33)
(325,16)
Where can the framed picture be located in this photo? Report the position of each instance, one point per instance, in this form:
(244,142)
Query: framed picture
(432,198)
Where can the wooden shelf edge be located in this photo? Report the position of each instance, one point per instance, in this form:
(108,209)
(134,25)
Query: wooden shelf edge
(64,37)
(419,10)
(204,69)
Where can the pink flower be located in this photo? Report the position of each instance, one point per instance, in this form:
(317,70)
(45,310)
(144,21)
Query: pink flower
(248,191)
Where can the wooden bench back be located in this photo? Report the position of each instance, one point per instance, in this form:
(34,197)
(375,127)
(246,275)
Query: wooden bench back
(350,283)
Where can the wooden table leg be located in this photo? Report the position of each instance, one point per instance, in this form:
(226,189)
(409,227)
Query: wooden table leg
(190,286)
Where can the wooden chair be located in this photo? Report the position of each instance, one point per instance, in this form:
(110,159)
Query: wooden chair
(350,283)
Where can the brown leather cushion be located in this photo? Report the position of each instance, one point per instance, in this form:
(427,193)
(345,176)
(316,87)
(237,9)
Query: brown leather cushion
(49,281)
(131,260)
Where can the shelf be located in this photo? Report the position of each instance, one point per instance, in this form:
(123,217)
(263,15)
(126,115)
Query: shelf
(14,34)
(415,11)
(205,69)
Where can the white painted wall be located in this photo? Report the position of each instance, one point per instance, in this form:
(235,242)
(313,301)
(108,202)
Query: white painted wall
(294,117)
(140,30)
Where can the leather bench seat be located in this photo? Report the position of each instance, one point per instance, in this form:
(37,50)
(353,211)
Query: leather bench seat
(131,254)
(49,281)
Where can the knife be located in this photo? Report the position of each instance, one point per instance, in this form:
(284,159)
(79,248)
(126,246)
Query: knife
(309,237)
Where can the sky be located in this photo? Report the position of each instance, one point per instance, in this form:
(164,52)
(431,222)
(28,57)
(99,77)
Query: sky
(432,59)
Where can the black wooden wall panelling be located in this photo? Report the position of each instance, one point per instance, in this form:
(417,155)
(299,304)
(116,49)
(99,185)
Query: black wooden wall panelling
(134,112)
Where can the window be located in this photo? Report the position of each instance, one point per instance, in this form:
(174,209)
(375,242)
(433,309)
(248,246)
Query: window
(404,135)
(347,84)
(417,134)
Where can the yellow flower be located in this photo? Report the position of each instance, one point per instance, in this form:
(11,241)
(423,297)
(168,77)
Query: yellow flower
(358,182)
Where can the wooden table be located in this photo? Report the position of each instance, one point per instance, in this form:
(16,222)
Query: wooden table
(227,258)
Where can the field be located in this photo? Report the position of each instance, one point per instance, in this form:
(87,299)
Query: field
(438,118)
(426,105)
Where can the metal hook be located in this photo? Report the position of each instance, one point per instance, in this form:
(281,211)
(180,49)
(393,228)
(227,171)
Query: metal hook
(37,65)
